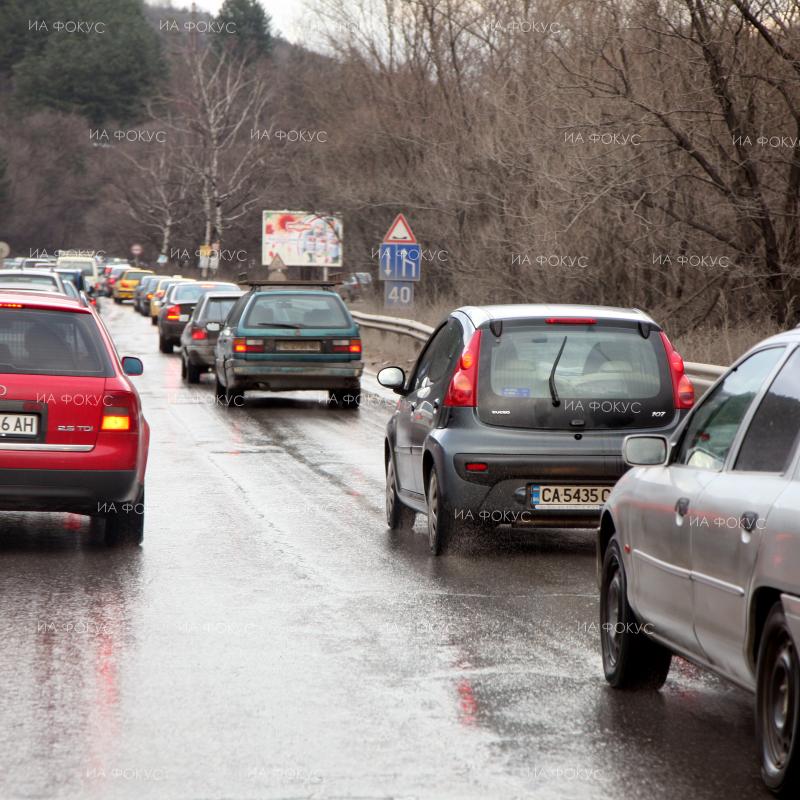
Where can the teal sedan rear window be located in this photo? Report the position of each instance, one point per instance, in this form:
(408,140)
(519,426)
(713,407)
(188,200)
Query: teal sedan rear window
(296,311)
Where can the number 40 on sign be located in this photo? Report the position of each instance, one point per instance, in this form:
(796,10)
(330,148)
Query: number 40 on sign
(398,294)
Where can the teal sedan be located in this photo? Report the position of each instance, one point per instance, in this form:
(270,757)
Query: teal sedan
(283,337)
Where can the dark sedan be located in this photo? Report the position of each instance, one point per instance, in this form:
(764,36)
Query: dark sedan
(178,305)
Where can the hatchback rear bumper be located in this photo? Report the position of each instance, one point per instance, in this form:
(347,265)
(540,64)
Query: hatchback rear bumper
(77,491)
(500,495)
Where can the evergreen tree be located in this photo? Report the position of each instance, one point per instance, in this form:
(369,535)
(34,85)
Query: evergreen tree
(247,28)
(101,75)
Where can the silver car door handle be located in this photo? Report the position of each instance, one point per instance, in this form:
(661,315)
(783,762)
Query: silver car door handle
(748,520)
(682,506)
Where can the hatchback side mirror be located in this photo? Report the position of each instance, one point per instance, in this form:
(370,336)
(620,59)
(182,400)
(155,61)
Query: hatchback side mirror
(645,451)
(392,378)
(132,365)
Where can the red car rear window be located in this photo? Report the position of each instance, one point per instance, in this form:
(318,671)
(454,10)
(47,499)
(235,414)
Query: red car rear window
(40,342)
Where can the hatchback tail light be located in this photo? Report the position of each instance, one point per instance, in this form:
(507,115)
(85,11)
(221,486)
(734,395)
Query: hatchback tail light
(149,295)
(463,389)
(160,293)
(174,312)
(248,345)
(682,388)
(199,333)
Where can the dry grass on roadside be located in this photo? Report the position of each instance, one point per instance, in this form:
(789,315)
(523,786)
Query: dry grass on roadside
(721,345)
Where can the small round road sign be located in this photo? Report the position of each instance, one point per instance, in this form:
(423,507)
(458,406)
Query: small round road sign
(136,249)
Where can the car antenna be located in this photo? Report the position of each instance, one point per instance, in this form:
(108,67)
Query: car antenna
(496,327)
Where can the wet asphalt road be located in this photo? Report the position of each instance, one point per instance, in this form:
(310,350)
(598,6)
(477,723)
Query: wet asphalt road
(271,639)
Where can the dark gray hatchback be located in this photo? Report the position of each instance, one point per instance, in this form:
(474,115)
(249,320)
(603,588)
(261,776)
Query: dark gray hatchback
(516,414)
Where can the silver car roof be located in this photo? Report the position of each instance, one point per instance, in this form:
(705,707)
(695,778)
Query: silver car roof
(481,314)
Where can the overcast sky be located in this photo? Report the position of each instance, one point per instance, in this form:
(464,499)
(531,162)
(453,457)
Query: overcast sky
(285,13)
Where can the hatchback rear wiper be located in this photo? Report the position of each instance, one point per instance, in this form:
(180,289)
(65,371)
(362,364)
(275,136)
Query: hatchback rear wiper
(277,325)
(552,380)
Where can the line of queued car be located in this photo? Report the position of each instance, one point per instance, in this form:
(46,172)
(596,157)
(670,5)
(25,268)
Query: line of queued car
(579,416)
(540,415)
(262,335)
(73,437)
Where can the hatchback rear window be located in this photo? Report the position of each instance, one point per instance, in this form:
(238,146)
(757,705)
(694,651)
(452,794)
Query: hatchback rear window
(39,342)
(607,376)
(134,276)
(296,311)
(218,308)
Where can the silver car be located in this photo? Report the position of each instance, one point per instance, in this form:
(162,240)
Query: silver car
(699,550)
(41,280)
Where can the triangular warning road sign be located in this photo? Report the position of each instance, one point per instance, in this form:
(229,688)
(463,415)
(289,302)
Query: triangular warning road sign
(399,232)
(277,263)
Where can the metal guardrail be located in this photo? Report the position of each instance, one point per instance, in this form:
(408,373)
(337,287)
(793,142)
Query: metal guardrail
(403,327)
(702,375)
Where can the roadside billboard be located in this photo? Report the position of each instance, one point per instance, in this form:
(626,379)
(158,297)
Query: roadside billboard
(301,239)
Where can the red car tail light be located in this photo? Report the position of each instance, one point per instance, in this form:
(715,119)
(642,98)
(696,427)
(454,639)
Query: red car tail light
(116,419)
(149,295)
(174,312)
(119,413)
(346,346)
(11,305)
(570,321)
(682,387)
(463,389)
(199,333)
(248,345)
(476,466)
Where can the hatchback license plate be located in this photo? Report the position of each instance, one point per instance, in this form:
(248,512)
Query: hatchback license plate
(19,425)
(183,318)
(298,347)
(568,496)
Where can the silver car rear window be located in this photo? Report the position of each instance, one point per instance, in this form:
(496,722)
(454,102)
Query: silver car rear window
(607,376)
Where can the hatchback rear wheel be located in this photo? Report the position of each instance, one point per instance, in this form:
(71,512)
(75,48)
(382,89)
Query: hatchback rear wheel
(778,706)
(440,521)
(164,345)
(631,659)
